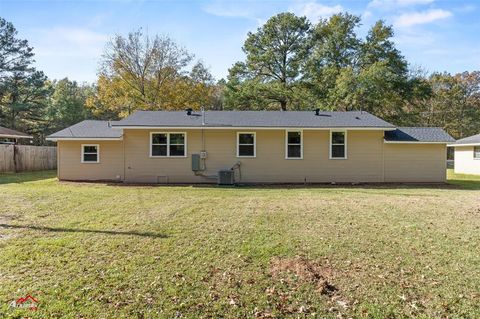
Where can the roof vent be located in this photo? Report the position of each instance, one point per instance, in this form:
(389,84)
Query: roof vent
(189,111)
(317,112)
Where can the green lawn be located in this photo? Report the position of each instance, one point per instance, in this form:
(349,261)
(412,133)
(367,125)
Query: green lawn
(103,251)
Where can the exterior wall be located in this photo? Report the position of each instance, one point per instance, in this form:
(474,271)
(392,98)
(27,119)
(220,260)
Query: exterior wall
(415,163)
(464,161)
(364,163)
(109,168)
(369,159)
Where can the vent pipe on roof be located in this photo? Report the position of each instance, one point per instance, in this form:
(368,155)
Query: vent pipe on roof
(317,112)
(189,111)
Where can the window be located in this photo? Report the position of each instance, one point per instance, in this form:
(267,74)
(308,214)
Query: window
(245,144)
(476,152)
(294,145)
(338,145)
(90,153)
(168,144)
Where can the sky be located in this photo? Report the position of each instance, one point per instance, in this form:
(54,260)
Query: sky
(69,36)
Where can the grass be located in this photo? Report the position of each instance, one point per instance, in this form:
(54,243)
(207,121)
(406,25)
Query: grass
(102,251)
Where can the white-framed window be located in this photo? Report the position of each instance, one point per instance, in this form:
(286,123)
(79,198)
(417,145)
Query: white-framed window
(294,145)
(246,144)
(168,144)
(90,153)
(476,152)
(338,144)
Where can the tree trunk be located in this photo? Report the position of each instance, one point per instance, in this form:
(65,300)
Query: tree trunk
(283,105)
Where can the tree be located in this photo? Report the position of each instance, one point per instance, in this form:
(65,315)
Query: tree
(23,90)
(15,54)
(67,104)
(272,70)
(201,86)
(454,103)
(140,72)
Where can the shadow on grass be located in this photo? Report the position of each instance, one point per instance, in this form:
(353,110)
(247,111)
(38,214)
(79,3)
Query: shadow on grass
(75,230)
(23,177)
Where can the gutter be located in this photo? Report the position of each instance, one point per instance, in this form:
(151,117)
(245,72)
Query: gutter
(15,136)
(469,144)
(412,142)
(359,128)
(55,139)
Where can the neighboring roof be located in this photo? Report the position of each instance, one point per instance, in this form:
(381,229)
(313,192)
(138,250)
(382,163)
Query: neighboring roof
(254,119)
(9,133)
(471,140)
(418,135)
(88,130)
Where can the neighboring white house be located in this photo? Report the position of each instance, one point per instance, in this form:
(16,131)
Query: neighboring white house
(467,155)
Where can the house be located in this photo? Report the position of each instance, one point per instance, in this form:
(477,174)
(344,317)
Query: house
(11,136)
(467,155)
(253,146)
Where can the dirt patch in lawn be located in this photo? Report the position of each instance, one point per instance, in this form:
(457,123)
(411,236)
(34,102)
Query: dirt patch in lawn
(302,270)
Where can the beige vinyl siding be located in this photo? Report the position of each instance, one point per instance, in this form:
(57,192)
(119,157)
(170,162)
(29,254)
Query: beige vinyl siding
(369,159)
(464,161)
(415,162)
(364,163)
(109,168)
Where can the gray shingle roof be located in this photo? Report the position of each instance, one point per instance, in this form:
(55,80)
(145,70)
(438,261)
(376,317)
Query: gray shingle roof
(6,132)
(418,134)
(88,129)
(299,119)
(475,139)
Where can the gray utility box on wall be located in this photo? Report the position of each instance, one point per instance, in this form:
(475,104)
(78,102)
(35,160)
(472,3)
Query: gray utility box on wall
(226,177)
(196,163)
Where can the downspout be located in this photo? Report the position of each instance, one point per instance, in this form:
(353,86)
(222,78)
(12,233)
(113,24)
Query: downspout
(383,157)
(58,160)
(124,159)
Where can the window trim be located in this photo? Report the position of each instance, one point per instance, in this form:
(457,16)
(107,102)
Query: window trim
(287,144)
(82,159)
(345,144)
(254,145)
(168,145)
(475,157)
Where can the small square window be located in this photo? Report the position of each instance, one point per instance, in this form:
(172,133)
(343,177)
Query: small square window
(294,144)
(338,145)
(90,153)
(246,144)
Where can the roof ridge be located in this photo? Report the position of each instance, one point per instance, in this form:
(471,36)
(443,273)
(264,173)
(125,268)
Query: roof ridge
(420,127)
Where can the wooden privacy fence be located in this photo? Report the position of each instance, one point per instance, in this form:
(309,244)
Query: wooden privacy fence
(19,158)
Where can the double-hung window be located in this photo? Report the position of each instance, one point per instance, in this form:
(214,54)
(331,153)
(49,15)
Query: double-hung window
(245,144)
(168,144)
(90,153)
(294,145)
(476,152)
(338,144)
